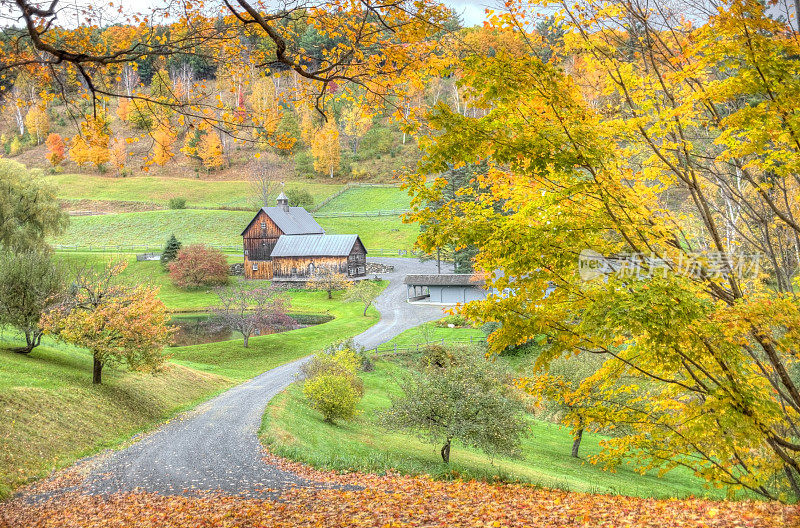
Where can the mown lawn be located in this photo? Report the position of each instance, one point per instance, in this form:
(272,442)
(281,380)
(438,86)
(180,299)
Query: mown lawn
(152,228)
(215,228)
(372,198)
(293,430)
(382,232)
(151,273)
(158,190)
(52,415)
(232,360)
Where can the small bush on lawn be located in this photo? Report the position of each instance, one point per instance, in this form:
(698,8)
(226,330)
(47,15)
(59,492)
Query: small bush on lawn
(198,265)
(456,320)
(332,384)
(177,203)
(333,395)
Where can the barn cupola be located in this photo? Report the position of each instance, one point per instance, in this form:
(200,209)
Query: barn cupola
(283,202)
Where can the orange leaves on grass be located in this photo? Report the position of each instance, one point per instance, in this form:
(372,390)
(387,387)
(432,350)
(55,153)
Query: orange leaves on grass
(396,501)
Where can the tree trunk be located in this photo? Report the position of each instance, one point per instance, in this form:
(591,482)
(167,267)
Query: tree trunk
(439,261)
(446,452)
(97,370)
(576,442)
(330,293)
(246,339)
(366,307)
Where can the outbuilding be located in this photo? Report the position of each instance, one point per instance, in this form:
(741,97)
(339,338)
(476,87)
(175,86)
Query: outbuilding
(445,288)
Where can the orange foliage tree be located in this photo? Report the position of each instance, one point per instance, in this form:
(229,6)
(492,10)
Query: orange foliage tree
(56,149)
(164,140)
(116,322)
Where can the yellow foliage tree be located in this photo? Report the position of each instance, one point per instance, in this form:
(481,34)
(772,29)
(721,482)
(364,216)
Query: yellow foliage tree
(210,151)
(124,109)
(164,138)
(325,148)
(91,145)
(38,123)
(264,104)
(119,155)
(357,122)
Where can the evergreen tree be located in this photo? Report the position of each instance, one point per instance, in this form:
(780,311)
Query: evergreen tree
(170,252)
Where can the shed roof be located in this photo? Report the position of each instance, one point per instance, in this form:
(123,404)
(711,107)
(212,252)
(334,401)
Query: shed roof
(314,245)
(450,279)
(295,221)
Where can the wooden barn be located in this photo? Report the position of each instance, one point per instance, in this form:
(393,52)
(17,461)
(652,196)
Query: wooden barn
(286,244)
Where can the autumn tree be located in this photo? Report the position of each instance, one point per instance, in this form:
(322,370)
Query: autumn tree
(118,155)
(56,149)
(252,311)
(29,209)
(467,399)
(38,123)
(198,265)
(116,322)
(357,122)
(210,151)
(325,148)
(30,284)
(164,139)
(327,278)
(661,162)
(364,292)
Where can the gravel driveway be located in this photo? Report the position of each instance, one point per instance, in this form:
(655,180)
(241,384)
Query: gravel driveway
(215,447)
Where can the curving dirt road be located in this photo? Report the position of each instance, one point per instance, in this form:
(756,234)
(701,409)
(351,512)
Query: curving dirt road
(215,446)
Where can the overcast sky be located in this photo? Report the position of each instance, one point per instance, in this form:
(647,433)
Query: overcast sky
(471,11)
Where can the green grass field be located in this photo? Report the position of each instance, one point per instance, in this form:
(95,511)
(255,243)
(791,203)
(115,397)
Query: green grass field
(214,228)
(383,232)
(53,415)
(232,360)
(372,198)
(294,430)
(152,189)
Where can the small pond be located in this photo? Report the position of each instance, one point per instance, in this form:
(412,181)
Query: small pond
(200,328)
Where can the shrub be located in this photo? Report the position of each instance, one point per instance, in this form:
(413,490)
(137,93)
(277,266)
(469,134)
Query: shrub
(177,203)
(333,395)
(456,320)
(332,385)
(300,198)
(170,251)
(198,265)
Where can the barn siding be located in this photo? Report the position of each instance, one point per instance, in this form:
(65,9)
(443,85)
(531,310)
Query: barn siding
(259,242)
(301,267)
(264,270)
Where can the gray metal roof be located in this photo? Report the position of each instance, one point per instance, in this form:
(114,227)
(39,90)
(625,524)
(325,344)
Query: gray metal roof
(314,245)
(449,279)
(295,221)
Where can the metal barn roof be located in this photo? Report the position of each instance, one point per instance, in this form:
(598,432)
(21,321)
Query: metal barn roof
(449,279)
(295,221)
(314,245)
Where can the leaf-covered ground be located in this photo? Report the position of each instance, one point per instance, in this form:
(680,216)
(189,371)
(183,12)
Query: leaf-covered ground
(390,501)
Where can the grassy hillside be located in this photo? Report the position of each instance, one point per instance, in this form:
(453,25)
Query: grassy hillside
(158,190)
(215,228)
(382,232)
(53,415)
(372,198)
(292,429)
